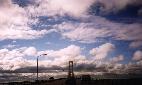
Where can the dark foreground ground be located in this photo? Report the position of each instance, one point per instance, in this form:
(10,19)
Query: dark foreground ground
(62,81)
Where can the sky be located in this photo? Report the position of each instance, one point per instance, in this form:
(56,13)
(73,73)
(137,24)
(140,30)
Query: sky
(103,36)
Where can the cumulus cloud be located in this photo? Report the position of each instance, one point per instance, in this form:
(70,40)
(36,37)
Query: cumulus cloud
(117,59)
(14,59)
(137,56)
(31,51)
(71,50)
(18,58)
(62,56)
(75,8)
(102,51)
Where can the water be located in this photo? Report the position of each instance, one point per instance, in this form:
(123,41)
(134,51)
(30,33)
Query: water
(10,77)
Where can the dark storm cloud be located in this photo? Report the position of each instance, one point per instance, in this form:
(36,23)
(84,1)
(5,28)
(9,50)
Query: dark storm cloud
(33,69)
(85,67)
(140,12)
(107,6)
(111,68)
(122,11)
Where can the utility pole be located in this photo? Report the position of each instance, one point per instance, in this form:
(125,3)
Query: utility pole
(38,65)
(37,68)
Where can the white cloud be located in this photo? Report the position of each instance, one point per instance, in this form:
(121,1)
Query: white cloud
(82,32)
(102,51)
(71,50)
(99,28)
(62,56)
(15,63)
(117,59)
(137,56)
(21,34)
(129,32)
(17,58)
(31,51)
(14,59)
(75,8)
(12,15)
(14,23)
(15,20)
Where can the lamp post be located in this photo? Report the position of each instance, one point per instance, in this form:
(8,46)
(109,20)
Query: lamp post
(37,64)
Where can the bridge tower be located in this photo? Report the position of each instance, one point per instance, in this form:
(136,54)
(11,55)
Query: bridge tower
(70,72)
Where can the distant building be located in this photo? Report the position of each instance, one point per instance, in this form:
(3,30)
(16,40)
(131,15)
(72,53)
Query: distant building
(85,80)
(51,78)
(85,77)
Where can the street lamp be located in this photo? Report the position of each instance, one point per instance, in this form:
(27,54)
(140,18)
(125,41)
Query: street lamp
(37,63)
